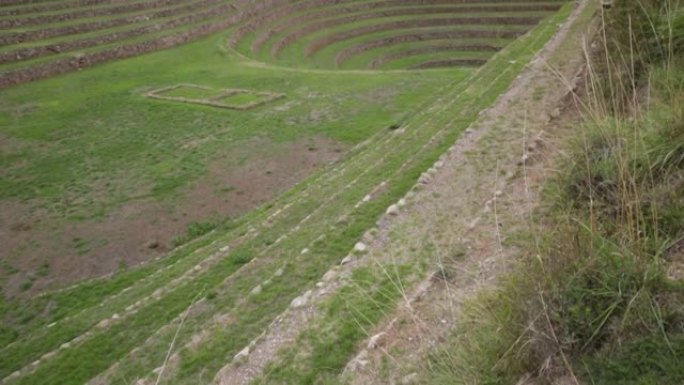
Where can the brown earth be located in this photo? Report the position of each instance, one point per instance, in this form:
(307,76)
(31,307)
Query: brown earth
(143,229)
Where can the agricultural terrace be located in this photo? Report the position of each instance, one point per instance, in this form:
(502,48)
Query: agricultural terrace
(208,184)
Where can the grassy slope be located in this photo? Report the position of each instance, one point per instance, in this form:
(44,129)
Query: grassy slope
(597,279)
(323,349)
(102,116)
(100,128)
(108,97)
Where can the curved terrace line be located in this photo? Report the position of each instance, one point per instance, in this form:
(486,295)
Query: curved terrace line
(400,24)
(21,37)
(286,10)
(325,41)
(379,61)
(254,63)
(275,13)
(85,13)
(357,8)
(66,46)
(446,63)
(54,6)
(351,51)
(60,66)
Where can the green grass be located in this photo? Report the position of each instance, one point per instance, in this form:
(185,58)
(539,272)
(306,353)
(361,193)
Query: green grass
(645,361)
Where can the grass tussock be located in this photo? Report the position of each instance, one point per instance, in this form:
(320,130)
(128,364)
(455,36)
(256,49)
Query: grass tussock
(595,300)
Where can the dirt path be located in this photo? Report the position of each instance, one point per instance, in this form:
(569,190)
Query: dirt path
(475,197)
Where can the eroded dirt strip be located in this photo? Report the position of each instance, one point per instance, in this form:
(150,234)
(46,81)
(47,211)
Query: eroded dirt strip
(477,195)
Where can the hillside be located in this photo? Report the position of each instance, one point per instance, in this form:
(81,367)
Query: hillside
(308,192)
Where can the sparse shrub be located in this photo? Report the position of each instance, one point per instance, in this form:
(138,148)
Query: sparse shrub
(195,230)
(44,270)
(26,285)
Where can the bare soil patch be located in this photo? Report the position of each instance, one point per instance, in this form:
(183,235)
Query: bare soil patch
(50,251)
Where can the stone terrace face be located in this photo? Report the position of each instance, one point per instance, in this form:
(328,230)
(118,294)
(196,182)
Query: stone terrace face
(46,38)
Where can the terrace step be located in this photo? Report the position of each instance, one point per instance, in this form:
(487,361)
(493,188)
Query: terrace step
(326,27)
